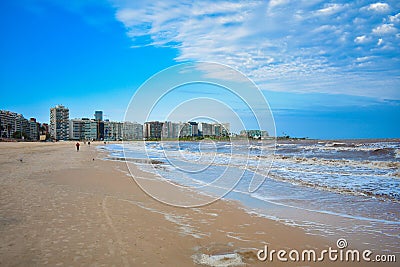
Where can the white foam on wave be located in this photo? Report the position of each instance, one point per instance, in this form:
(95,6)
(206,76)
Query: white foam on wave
(397,153)
(336,175)
(318,173)
(327,212)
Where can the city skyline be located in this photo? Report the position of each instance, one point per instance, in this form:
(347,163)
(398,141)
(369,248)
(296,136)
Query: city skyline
(328,69)
(15,126)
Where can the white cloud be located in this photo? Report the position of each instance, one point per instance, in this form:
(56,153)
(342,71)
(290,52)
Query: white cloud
(325,28)
(361,39)
(331,9)
(274,3)
(395,18)
(364,59)
(379,7)
(380,41)
(298,46)
(384,29)
(219,72)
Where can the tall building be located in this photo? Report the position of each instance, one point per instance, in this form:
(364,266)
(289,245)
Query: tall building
(13,125)
(217,129)
(77,129)
(166,129)
(206,129)
(175,130)
(113,130)
(59,123)
(137,131)
(90,129)
(132,131)
(34,128)
(194,128)
(185,129)
(7,123)
(226,128)
(98,115)
(117,130)
(108,135)
(100,130)
(170,130)
(152,130)
(44,129)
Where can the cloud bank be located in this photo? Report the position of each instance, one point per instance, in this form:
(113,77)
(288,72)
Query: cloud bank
(302,46)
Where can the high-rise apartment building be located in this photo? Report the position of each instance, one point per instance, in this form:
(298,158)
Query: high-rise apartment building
(217,129)
(206,129)
(59,123)
(7,123)
(132,131)
(90,129)
(185,129)
(152,129)
(98,115)
(170,129)
(226,128)
(77,129)
(113,130)
(34,128)
(13,125)
(108,134)
(194,128)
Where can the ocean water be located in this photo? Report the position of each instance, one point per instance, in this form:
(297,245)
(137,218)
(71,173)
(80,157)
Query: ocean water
(347,189)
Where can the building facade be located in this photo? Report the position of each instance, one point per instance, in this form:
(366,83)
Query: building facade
(206,129)
(113,131)
(132,131)
(34,128)
(98,115)
(77,129)
(170,129)
(226,129)
(8,123)
(14,125)
(90,130)
(59,123)
(184,129)
(194,128)
(152,130)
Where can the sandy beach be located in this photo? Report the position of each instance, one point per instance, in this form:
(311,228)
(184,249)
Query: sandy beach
(59,207)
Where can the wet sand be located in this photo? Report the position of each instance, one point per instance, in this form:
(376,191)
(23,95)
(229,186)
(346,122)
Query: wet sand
(61,207)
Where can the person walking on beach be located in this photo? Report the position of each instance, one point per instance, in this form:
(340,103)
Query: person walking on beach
(77,146)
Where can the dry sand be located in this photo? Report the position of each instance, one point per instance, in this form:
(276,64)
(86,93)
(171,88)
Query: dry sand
(59,207)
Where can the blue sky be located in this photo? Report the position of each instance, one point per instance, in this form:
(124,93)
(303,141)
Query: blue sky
(329,69)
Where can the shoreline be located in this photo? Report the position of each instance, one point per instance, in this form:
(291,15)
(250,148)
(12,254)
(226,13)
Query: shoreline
(277,139)
(329,223)
(62,207)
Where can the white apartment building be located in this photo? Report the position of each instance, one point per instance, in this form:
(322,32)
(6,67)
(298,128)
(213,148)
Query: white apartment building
(59,123)
(132,131)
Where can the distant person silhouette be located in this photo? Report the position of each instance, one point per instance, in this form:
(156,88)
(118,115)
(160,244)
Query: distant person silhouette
(77,146)
(88,143)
